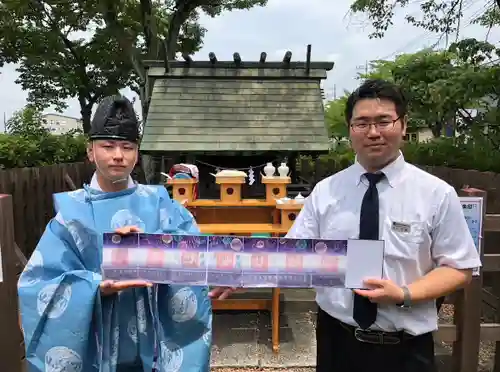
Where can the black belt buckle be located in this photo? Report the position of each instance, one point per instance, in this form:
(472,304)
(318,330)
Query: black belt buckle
(376,337)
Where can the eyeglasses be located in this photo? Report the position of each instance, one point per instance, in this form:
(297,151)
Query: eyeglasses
(381,125)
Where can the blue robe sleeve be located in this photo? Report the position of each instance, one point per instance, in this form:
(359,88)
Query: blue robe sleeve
(57,298)
(187,223)
(175,218)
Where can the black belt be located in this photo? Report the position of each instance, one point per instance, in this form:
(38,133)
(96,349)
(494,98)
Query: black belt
(371,336)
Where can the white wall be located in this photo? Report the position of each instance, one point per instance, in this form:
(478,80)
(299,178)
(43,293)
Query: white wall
(60,124)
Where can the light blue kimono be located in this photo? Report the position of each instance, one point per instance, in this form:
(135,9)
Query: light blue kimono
(69,327)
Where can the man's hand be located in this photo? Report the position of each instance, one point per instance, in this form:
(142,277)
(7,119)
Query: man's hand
(221,293)
(110,287)
(128,230)
(382,291)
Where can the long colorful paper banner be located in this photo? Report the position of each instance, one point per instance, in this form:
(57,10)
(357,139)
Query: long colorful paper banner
(242,261)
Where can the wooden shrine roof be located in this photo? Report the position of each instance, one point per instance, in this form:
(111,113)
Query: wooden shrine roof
(227,106)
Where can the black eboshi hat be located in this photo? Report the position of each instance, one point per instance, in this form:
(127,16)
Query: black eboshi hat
(115,118)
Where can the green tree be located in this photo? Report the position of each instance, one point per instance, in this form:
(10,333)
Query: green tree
(167,30)
(176,30)
(27,123)
(443,86)
(335,117)
(441,16)
(63,51)
(89,49)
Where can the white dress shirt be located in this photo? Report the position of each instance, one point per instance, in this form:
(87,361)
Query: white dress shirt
(95,185)
(437,235)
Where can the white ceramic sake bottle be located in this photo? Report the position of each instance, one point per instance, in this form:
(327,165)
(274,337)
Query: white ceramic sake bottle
(299,198)
(269,170)
(283,170)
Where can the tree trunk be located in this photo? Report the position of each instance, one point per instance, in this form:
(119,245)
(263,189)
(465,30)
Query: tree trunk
(436,129)
(178,18)
(86,112)
(148,162)
(148,167)
(138,172)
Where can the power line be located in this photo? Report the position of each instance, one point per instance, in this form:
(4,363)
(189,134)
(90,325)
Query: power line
(429,34)
(363,67)
(426,35)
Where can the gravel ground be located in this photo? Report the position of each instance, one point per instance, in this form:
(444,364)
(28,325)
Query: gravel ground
(486,349)
(486,352)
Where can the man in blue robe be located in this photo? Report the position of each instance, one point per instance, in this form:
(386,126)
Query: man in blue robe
(72,320)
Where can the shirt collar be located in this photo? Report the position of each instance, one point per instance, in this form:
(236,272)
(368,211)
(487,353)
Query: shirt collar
(95,185)
(391,171)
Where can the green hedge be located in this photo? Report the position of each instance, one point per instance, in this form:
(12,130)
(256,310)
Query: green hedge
(480,155)
(20,151)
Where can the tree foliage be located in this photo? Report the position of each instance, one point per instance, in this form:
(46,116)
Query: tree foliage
(456,153)
(444,86)
(335,117)
(89,49)
(63,51)
(178,32)
(20,151)
(441,16)
(27,123)
(28,143)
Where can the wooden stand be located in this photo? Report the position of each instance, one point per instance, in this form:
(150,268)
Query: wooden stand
(233,216)
(183,188)
(275,187)
(230,188)
(289,212)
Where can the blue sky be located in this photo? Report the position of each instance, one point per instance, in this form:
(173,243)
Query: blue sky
(290,25)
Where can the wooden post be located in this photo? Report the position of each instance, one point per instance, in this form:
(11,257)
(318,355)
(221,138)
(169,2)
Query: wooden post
(495,283)
(10,343)
(467,316)
(289,212)
(316,176)
(292,163)
(230,188)
(183,188)
(275,187)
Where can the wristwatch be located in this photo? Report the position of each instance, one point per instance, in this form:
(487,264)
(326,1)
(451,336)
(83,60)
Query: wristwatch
(406,304)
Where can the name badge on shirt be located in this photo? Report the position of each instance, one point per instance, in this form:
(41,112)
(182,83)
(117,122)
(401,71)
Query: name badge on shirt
(401,227)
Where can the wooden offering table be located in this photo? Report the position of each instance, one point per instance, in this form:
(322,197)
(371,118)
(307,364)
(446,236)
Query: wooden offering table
(289,212)
(232,215)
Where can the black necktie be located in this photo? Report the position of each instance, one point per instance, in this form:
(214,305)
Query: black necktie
(365,312)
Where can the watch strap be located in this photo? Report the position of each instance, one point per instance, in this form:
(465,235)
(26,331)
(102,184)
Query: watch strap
(406,298)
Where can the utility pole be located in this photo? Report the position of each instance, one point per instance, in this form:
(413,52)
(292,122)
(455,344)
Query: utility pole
(363,67)
(334,91)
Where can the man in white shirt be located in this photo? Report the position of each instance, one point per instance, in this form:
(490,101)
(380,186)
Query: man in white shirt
(429,251)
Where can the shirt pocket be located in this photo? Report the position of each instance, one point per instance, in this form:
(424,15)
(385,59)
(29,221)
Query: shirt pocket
(413,231)
(406,248)
(405,232)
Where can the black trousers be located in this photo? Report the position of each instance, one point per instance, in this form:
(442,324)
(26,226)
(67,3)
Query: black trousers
(338,350)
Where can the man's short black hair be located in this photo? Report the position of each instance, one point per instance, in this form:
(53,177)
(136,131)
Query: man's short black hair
(377,88)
